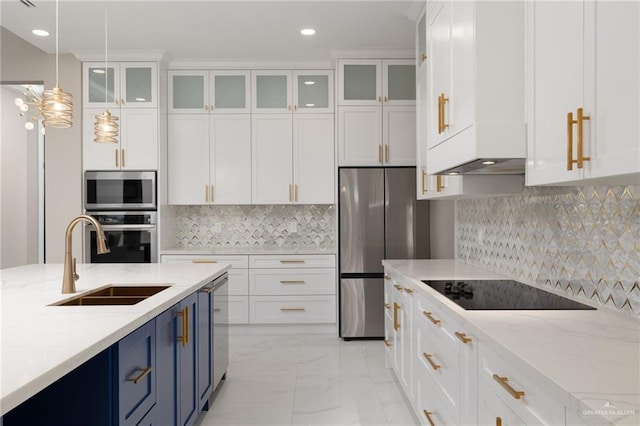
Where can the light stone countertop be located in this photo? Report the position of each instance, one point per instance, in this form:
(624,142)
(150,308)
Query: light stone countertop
(39,343)
(588,360)
(197,251)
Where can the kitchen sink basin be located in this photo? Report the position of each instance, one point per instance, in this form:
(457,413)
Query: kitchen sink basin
(114,294)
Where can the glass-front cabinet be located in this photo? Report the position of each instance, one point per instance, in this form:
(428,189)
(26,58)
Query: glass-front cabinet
(313,91)
(192,92)
(368,82)
(301,91)
(272,91)
(120,85)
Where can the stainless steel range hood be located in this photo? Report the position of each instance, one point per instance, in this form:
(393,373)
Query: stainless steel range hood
(489,166)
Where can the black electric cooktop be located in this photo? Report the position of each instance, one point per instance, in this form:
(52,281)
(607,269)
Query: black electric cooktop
(475,295)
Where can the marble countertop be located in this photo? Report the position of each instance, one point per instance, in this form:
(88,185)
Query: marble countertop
(589,360)
(41,343)
(244,250)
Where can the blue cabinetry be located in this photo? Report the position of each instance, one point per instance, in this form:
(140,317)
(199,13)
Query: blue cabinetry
(205,345)
(186,361)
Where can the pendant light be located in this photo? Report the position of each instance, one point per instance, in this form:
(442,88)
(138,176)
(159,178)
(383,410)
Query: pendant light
(106,126)
(57,105)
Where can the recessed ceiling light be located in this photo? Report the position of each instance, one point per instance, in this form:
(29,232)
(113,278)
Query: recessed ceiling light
(309,82)
(488,162)
(308,31)
(98,71)
(41,33)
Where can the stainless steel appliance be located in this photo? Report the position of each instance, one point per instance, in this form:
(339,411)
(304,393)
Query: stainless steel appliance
(476,295)
(130,190)
(131,236)
(379,218)
(220,329)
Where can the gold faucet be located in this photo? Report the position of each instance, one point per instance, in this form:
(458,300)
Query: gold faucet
(70,276)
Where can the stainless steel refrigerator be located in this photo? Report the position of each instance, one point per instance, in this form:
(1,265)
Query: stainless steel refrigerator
(379,218)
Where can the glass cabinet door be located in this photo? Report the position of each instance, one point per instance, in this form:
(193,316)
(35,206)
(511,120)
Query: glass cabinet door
(100,85)
(360,82)
(188,91)
(421,42)
(399,82)
(313,91)
(139,85)
(229,92)
(271,91)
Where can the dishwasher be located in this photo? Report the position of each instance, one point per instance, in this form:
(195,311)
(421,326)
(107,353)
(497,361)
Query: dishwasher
(220,329)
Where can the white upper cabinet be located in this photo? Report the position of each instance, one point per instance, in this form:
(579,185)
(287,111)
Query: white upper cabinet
(313,92)
(376,113)
(475,86)
(120,85)
(292,91)
(421,105)
(199,92)
(582,91)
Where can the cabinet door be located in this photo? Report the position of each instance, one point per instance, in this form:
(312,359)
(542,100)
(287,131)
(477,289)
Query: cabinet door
(187,402)
(188,92)
(360,82)
(399,135)
(492,411)
(271,91)
(462,96)
(230,174)
(139,85)
(439,52)
(399,82)
(166,345)
(421,133)
(272,159)
(137,374)
(100,85)
(360,136)
(96,155)
(188,152)
(229,92)
(555,86)
(421,40)
(204,334)
(313,166)
(313,91)
(139,138)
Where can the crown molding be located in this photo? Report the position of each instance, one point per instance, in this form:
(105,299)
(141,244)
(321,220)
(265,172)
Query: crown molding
(195,64)
(123,55)
(374,54)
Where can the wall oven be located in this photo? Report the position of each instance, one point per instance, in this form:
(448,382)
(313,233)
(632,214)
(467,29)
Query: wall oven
(131,237)
(120,191)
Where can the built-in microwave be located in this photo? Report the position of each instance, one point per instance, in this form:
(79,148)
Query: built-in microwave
(130,190)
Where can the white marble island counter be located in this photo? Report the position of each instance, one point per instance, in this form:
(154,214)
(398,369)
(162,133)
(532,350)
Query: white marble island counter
(40,343)
(589,359)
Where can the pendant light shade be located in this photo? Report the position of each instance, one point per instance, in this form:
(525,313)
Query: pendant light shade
(106,128)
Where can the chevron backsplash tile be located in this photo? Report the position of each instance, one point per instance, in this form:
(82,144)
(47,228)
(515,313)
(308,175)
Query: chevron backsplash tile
(582,241)
(255,226)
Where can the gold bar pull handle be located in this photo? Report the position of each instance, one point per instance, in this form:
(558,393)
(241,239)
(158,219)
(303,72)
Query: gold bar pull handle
(117,157)
(580,122)
(570,123)
(122,155)
(439,114)
(444,123)
(206,193)
(439,184)
(186,324)
(396,324)
(292,261)
(386,153)
(295,192)
(144,373)
(463,337)
(498,421)
(216,309)
(183,337)
(387,277)
(387,343)
(292,282)
(379,98)
(203,261)
(398,287)
(291,309)
(387,306)
(408,290)
(212,193)
(431,318)
(503,381)
(424,57)
(430,361)
(206,107)
(379,153)
(424,181)
(290,192)
(428,414)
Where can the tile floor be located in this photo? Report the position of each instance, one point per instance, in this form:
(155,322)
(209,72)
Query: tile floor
(307,380)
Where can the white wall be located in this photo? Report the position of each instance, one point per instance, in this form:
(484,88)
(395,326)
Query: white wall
(442,228)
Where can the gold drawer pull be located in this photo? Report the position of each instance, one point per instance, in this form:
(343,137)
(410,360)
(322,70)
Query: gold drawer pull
(430,361)
(292,261)
(502,381)
(217,310)
(463,337)
(291,309)
(498,421)
(387,277)
(203,261)
(379,153)
(580,123)
(144,373)
(387,306)
(408,290)
(398,287)
(388,343)
(431,318)
(570,123)
(396,324)
(428,416)
(291,282)
(184,314)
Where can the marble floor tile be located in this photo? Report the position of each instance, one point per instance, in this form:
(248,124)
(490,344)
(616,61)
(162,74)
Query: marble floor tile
(247,414)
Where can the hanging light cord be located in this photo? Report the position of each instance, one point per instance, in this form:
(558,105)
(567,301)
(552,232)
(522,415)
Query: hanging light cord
(106,70)
(57,83)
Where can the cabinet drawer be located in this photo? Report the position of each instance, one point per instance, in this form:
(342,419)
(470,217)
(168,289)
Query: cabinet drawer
(238,282)
(236,262)
(534,407)
(237,308)
(430,409)
(136,374)
(290,282)
(292,309)
(441,323)
(441,362)
(293,261)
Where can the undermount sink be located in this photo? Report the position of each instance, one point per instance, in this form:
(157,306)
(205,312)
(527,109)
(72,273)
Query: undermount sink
(114,294)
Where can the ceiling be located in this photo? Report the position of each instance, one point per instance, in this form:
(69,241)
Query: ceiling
(216,30)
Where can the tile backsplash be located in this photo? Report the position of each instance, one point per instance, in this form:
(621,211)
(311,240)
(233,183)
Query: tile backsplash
(282,226)
(582,241)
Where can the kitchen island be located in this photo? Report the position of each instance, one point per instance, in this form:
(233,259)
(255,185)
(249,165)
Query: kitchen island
(40,343)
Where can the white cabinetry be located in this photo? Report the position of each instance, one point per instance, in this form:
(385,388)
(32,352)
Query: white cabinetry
(376,113)
(300,91)
(129,90)
(202,92)
(475,82)
(401,298)
(583,84)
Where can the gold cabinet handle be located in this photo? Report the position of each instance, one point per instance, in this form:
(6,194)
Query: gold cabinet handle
(212,193)
(387,343)
(428,414)
(379,153)
(203,261)
(292,261)
(206,193)
(424,57)
(408,290)
(206,107)
(580,122)
(570,122)
(290,192)
(210,107)
(184,337)
(430,361)
(295,192)
(386,153)
(463,337)
(445,126)
(122,155)
(503,381)
(386,99)
(440,114)
(291,282)
(217,310)
(295,107)
(117,101)
(396,324)
(398,287)
(387,306)
(291,309)
(379,98)
(439,184)
(431,318)
(424,181)
(387,277)
(117,157)
(144,373)
(498,421)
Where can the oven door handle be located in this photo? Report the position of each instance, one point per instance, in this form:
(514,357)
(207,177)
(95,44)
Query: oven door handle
(124,227)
